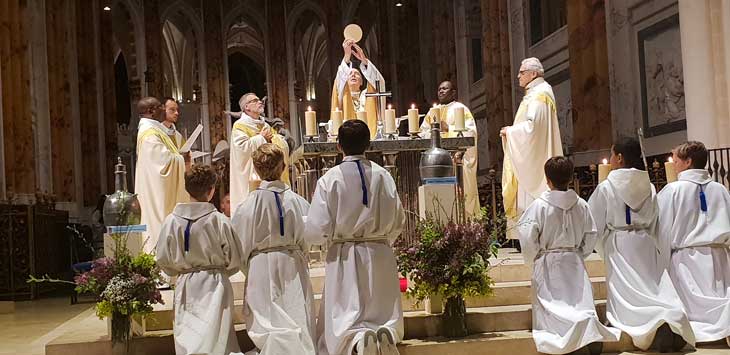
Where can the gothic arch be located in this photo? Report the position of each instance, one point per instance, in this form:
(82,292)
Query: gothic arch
(310,55)
(128,29)
(184,51)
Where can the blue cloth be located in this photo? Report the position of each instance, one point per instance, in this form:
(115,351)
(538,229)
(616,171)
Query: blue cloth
(281,213)
(187,235)
(628,215)
(362,182)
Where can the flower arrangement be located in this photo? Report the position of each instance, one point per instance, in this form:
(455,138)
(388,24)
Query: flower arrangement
(123,285)
(450,259)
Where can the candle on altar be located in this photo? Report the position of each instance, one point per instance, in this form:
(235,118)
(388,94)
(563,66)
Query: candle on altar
(310,119)
(435,114)
(389,120)
(459,119)
(670,170)
(336,121)
(603,169)
(413,119)
(362,116)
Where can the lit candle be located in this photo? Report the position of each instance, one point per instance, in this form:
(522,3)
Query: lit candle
(362,116)
(603,170)
(434,114)
(459,119)
(413,119)
(336,121)
(669,169)
(389,120)
(310,118)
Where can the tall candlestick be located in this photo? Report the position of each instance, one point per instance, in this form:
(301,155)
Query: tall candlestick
(459,119)
(336,121)
(603,170)
(362,116)
(310,119)
(670,170)
(389,120)
(413,119)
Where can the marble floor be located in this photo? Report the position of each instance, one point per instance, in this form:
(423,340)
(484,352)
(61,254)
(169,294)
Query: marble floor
(35,323)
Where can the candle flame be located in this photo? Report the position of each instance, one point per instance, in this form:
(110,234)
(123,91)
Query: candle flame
(605,161)
(309,108)
(390,107)
(670,160)
(413,106)
(337,109)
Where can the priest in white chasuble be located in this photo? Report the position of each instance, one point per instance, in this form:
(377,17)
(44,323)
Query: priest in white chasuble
(348,92)
(160,171)
(250,132)
(172,113)
(447,113)
(533,138)
(694,230)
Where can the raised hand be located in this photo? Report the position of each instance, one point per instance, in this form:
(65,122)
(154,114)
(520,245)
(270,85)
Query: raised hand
(266,133)
(347,48)
(359,54)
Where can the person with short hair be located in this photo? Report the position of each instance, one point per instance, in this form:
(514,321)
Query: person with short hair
(172,113)
(641,299)
(531,140)
(357,212)
(557,233)
(694,227)
(279,311)
(250,132)
(197,244)
(159,178)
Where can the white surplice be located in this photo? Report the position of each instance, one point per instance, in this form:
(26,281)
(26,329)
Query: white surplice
(641,296)
(556,233)
(699,242)
(203,292)
(533,138)
(370,74)
(279,309)
(359,216)
(469,167)
(159,179)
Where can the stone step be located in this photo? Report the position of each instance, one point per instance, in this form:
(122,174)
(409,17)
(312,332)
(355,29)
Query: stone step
(92,340)
(509,267)
(495,343)
(508,309)
(421,325)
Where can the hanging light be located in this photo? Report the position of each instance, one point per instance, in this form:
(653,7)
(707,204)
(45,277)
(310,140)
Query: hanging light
(398,4)
(107,8)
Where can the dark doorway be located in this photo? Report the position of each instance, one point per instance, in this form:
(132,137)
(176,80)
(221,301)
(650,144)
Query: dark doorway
(244,76)
(123,98)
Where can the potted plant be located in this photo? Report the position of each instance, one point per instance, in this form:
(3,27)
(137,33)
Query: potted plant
(450,259)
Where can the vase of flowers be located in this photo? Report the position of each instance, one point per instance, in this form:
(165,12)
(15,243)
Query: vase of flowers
(450,259)
(125,286)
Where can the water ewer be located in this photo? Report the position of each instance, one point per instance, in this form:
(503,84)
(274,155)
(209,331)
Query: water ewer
(122,207)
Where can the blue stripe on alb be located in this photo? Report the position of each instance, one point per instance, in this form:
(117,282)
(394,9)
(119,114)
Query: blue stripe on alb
(281,213)
(187,235)
(362,183)
(628,215)
(703,200)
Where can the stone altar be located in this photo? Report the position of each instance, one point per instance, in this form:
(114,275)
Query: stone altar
(399,156)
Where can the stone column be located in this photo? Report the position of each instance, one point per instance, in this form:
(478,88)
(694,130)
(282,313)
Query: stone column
(39,94)
(589,78)
(216,80)
(705,37)
(278,84)
(19,158)
(497,76)
(86,17)
(153,47)
(3,195)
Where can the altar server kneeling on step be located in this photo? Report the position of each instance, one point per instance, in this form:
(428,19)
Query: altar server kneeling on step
(198,245)
(279,310)
(641,299)
(556,233)
(356,210)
